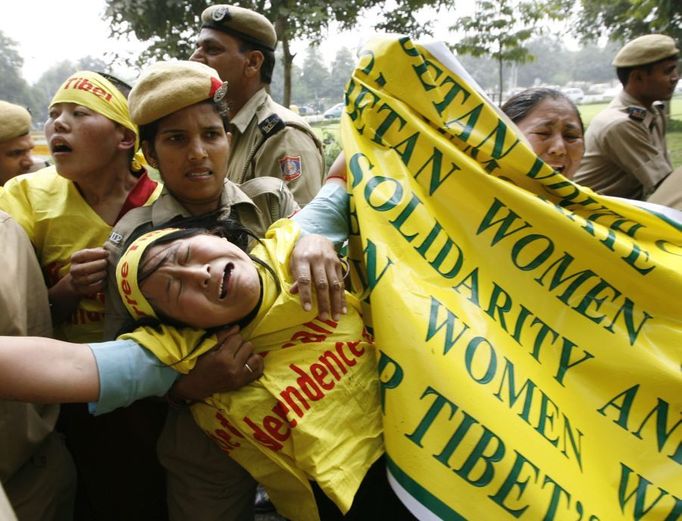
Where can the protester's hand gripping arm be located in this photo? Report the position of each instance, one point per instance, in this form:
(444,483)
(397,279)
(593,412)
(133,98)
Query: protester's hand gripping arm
(86,277)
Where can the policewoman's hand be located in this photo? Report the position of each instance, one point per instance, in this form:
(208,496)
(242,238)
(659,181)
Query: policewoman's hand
(314,263)
(230,365)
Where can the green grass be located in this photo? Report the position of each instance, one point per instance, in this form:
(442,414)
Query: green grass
(675,148)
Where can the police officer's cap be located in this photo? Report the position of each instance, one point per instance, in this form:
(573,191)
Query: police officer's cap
(15,121)
(245,24)
(646,49)
(168,86)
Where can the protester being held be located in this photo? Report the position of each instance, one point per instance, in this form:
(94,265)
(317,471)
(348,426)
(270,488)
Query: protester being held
(626,153)
(16,143)
(68,211)
(36,469)
(267,138)
(551,123)
(214,283)
(180,108)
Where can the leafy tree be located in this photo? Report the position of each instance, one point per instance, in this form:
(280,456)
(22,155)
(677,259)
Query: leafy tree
(500,28)
(341,69)
(315,77)
(13,87)
(170,27)
(623,20)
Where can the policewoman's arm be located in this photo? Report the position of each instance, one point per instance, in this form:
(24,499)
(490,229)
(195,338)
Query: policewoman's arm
(312,263)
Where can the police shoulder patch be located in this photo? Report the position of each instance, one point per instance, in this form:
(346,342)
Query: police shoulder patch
(271,125)
(636,113)
(291,167)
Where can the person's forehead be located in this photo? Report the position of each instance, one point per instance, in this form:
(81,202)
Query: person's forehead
(17,144)
(552,108)
(207,35)
(667,64)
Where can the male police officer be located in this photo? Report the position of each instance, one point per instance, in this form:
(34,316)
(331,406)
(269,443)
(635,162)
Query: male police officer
(267,138)
(36,469)
(625,148)
(15,141)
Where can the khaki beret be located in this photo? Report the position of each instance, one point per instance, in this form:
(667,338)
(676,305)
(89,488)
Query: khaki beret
(242,23)
(15,121)
(168,86)
(646,49)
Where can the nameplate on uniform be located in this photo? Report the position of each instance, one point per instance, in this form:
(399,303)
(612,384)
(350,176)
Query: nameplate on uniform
(115,238)
(270,125)
(636,113)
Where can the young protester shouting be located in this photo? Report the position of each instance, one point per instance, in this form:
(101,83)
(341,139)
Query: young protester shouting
(70,207)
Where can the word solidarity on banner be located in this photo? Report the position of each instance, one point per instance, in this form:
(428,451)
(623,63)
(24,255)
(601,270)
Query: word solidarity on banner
(529,330)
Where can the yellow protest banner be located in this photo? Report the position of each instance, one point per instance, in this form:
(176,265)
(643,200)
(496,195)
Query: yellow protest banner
(529,330)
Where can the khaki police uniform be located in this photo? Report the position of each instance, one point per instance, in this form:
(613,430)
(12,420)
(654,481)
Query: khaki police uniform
(669,192)
(202,482)
(6,511)
(625,150)
(270,140)
(36,470)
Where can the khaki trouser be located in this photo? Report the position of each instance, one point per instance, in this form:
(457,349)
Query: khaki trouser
(202,481)
(44,488)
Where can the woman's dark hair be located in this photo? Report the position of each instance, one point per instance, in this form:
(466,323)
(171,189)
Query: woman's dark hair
(148,132)
(209,224)
(121,85)
(520,105)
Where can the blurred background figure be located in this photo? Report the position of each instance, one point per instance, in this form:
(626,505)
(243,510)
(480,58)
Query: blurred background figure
(16,142)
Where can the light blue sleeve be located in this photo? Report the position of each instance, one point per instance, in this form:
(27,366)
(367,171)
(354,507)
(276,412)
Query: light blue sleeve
(127,372)
(326,214)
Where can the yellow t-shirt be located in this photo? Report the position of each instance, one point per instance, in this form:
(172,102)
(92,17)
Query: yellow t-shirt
(315,412)
(60,222)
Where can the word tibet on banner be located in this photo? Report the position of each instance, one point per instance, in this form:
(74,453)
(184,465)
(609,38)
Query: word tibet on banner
(529,330)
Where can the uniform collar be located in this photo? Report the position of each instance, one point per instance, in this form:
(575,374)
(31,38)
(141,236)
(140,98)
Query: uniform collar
(167,207)
(625,100)
(242,119)
(629,101)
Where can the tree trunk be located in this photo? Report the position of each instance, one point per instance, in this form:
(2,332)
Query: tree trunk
(288,60)
(501,63)
(281,27)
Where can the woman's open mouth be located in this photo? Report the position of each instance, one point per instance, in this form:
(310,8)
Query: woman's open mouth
(224,282)
(58,146)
